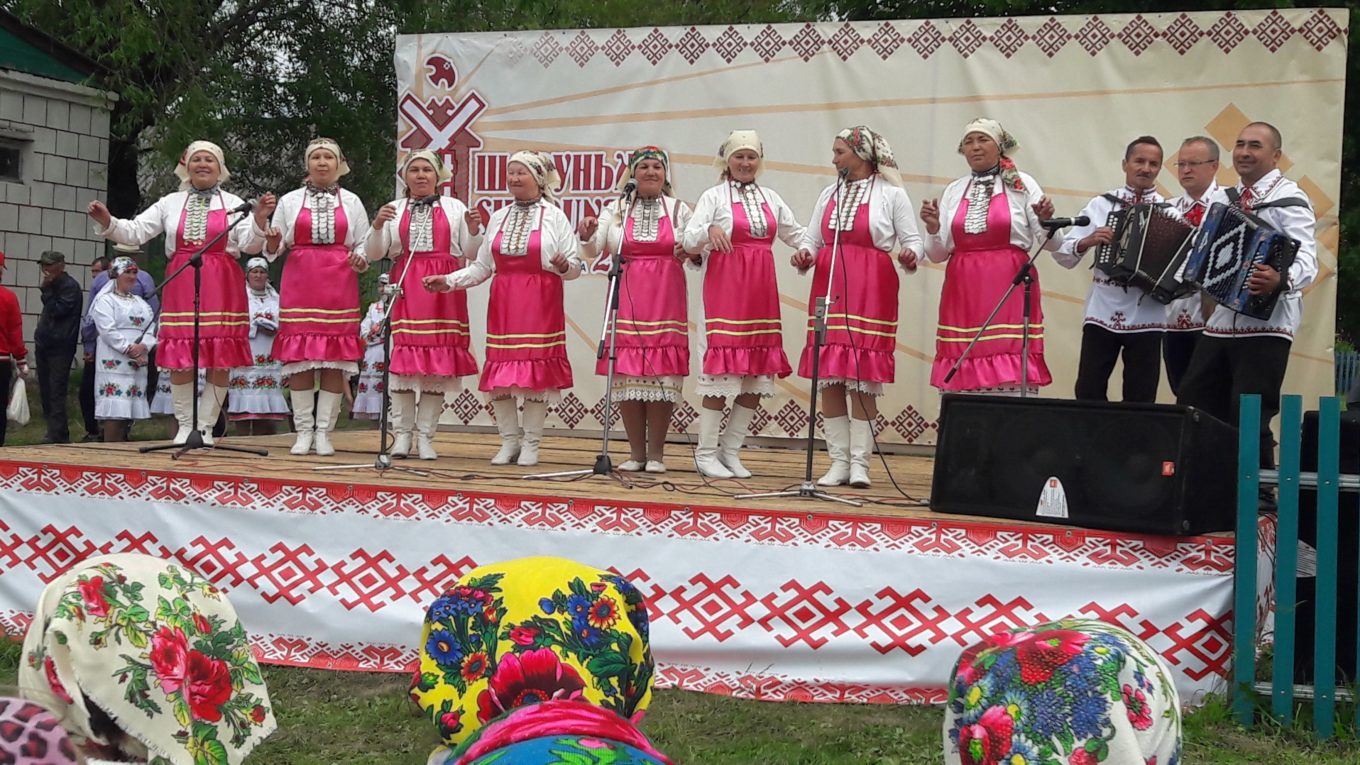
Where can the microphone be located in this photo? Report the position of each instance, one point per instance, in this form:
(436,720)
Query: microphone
(844,173)
(628,188)
(245,206)
(1080,220)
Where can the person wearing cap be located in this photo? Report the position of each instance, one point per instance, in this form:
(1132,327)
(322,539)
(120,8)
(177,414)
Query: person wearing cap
(256,400)
(13,352)
(426,234)
(54,342)
(145,289)
(323,228)
(190,218)
(734,227)
(984,226)
(645,226)
(857,221)
(369,394)
(532,248)
(125,327)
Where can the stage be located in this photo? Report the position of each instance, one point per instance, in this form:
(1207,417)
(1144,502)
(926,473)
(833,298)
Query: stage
(779,599)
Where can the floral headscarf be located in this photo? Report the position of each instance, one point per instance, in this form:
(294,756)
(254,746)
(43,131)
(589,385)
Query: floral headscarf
(1079,692)
(155,647)
(342,167)
(648,152)
(526,631)
(120,266)
(30,735)
(532,735)
(736,141)
(441,173)
(182,169)
(1004,141)
(540,166)
(874,149)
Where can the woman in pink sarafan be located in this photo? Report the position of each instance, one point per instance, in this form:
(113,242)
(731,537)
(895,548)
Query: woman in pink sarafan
(190,218)
(1075,691)
(531,247)
(322,228)
(645,225)
(985,225)
(864,217)
(427,234)
(733,229)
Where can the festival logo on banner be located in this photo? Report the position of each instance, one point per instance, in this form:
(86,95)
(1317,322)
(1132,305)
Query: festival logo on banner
(443,122)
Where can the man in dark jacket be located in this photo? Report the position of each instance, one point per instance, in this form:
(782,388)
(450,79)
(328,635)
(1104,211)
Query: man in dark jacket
(54,342)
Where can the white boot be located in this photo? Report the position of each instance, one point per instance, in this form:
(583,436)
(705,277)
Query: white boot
(182,394)
(507,422)
(861,447)
(706,454)
(729,451)
(304,420)
(535,412)
(209,406)
(836,431)
(403,419)
(327,412)
(427,423)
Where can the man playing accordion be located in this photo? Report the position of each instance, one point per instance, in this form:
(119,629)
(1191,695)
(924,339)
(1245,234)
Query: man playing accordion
(1238,353)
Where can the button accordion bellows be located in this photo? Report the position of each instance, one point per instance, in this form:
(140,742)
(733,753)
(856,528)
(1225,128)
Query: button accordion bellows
(1229,244)
(1148,250)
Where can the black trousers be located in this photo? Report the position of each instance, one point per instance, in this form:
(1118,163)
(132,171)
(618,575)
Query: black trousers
(1224,368)
(1101,348)
(87,399)
(1177,348)
(54,378)
(6,377)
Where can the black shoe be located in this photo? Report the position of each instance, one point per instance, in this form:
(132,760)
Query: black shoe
(92,438)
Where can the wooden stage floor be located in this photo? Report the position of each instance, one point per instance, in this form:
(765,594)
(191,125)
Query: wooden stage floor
(464,461)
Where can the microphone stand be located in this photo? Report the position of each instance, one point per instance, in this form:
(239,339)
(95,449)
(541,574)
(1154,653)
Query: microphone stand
(1025,275)
(195,439)
(608,342)
(808,488)
(383,462)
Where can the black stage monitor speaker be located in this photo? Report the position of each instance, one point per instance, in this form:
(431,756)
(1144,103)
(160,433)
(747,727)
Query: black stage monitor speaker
(1144,468)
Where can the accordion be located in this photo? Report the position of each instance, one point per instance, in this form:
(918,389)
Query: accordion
(1229,245)
(1148,251)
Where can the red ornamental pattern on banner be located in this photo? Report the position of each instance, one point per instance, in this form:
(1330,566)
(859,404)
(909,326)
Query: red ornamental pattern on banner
(963,540)
(1093,35)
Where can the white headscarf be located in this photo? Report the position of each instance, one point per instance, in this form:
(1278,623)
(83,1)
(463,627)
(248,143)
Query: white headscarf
(993,130)
(334,148)
(736,141)
(873,148)
(441,173)
(540,166)
(182,169)
(255,263)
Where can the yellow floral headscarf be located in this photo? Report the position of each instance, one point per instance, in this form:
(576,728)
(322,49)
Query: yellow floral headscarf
(529,630)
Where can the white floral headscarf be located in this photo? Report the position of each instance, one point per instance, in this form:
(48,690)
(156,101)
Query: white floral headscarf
(874,149)
(182,169)
(541,167)
(736,141)
(331,146)
(158,649)
(441,172)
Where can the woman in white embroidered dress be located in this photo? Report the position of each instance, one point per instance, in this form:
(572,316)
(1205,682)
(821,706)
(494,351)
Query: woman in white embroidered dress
(126,336)
(256,402)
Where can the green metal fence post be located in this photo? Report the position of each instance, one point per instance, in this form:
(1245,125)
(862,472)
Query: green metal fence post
(1324,646)
(1244,579)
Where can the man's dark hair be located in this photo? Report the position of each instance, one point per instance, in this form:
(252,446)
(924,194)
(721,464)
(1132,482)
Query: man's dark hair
(1143,139)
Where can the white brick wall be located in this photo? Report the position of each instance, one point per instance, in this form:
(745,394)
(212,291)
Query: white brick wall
(65,168)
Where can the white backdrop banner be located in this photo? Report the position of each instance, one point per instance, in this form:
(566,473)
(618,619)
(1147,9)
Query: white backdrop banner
(758,604)
(1073,90)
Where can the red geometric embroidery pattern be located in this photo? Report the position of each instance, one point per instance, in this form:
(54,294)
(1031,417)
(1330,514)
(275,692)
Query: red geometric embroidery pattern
(1010,38)
(1274,32)
(654,46)
(1320,30)
(582,48)
(1138,36)
(846,41)
(618,47)
(729,45)
(1182,34)
(767,44)
(807,43)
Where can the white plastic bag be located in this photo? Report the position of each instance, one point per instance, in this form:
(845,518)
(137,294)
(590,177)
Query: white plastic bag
(17,411)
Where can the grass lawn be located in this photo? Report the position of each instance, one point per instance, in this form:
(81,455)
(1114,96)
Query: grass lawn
(355,718)
(358,718)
